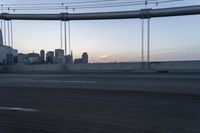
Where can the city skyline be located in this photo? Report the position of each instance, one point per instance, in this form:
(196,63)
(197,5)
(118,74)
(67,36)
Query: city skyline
(115,40)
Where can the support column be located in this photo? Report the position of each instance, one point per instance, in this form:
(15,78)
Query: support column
(69,37)
(4,32)
(142,41)
(8,26)
(11,30)
(148,42)
(65,37)
(1,19)
(61,35)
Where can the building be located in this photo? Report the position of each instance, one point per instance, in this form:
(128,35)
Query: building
(7,53)
(78,61)
(59,56)
(68,59)
(33,58)
(50,57)
(42,56)
(72,57)
(15,59)
(22,58)
(9,59)
(85,58)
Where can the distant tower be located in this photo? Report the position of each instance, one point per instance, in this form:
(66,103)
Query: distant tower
(85,58)
(72,56)
(1,38)
(50,57)
(42,56)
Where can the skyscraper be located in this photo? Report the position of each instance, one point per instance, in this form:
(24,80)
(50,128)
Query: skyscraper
(42,56)
(85,58)
(72,58)
(59,56)
(7,53)
(69,58)
(50,57)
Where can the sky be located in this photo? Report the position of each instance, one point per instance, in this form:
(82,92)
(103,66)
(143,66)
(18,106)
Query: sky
(172,38)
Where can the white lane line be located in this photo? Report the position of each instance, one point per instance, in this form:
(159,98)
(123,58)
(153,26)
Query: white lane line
(52,81)
(90,82)
(19,109)
(64,81)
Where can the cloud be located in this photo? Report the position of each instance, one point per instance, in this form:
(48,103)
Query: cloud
(117,57)
(104,57)
(163,52)
(167,54)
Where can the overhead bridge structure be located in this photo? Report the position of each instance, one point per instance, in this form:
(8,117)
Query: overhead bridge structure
(135,14)
(143,13)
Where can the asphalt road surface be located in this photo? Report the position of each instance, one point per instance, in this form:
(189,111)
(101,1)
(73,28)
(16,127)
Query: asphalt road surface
(100,103)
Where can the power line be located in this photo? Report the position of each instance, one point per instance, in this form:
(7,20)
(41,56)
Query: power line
(67,3)
(123,5)
(62,5)
(119,4)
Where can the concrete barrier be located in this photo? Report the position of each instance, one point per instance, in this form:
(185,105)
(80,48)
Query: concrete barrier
(176,66)
(104,67)
(47,68)
(170,66)
(3,69)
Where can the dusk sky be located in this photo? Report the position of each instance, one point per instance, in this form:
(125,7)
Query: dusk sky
(172,38)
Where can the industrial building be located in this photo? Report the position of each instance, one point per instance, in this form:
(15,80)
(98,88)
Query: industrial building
(7,53)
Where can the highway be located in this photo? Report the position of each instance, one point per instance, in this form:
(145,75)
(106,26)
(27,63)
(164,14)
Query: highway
(100,103)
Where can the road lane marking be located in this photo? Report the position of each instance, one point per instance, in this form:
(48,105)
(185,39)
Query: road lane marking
(19,109)
(66,81)
(90,82)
